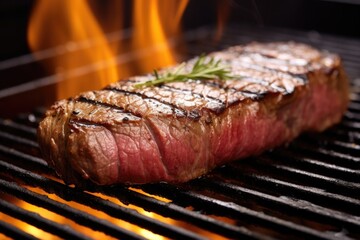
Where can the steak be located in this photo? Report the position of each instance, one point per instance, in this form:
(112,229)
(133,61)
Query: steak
(178,131)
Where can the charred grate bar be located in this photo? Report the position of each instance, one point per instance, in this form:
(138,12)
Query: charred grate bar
(37,220)
(14,232)
(284,204)
(307,190)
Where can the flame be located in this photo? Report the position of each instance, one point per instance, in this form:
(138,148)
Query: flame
(89,60)
(70,23)
(154,23)
(223,15)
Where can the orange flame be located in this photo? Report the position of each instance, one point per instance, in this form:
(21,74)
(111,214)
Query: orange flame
(223,15)
(154,22)
(90,61)
(65,22)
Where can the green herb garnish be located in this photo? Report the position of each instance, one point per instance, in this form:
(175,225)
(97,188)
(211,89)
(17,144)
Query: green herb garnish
(202,69)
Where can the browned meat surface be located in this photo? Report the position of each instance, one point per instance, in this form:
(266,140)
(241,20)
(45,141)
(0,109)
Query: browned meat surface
(178,131)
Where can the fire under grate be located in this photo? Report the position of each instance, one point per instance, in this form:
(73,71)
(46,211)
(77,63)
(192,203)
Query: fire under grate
(307,190)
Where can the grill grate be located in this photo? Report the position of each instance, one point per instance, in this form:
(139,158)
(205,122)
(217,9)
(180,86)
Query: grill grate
(309,189)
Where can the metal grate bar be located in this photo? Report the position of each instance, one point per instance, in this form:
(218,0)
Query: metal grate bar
(29,159)
(340,133)
(356,85)
(19,140)
(354,97)
(342,146)
(314,195)
(40,222)
(14,232)
(353,106)
(215,206)
(301,161)
(295,207)
(329,156)
(31,119)
(346,146)
(176,212)
(9,124)
(78,216)
(351,125)
(329,184)
(87,199)
(352,116)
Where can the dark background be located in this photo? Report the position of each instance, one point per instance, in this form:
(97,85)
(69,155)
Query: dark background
(340,17)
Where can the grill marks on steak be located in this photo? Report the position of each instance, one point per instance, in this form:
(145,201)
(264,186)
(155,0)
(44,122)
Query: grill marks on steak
(178,131)
(217,95)
(186,98)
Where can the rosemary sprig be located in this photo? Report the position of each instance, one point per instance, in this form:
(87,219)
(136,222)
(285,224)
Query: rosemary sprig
(202,69)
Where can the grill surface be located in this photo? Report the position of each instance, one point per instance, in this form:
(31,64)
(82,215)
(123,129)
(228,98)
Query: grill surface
(309,189)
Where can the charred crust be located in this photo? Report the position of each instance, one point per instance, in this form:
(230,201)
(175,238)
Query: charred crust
(302,76)
(197,95)
(103,104)
(179,112)
(98,103)
(194,114)
(75,112)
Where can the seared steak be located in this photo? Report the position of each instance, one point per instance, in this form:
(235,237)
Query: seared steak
(178,131)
